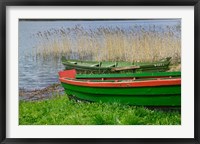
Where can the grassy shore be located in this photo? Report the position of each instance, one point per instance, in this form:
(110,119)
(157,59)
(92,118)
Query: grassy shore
(62,111)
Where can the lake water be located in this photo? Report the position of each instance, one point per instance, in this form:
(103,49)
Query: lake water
(39,73)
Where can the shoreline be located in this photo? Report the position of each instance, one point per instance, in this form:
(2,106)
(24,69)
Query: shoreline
(41,94)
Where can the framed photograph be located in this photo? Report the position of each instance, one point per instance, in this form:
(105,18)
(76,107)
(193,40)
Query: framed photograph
(99,72)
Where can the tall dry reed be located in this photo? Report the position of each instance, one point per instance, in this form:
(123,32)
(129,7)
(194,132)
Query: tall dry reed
(137,43)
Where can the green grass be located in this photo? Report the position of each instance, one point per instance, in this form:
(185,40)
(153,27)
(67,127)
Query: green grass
(61,111)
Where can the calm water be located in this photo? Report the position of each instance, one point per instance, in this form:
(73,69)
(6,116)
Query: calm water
(39,73)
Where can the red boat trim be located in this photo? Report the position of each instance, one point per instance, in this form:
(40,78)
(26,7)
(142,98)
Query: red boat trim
(67,73)
(148,83)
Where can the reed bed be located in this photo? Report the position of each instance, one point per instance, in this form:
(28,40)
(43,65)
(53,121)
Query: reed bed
(135,43)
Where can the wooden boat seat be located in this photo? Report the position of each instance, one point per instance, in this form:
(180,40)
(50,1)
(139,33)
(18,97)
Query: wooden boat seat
(112,65)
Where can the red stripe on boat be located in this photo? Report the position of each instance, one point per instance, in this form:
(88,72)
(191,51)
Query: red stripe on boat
(68,77)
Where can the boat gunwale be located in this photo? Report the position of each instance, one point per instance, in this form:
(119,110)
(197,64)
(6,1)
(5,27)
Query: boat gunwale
(153,64)
(69,77)
(87,64)
(124,75)
(146,83)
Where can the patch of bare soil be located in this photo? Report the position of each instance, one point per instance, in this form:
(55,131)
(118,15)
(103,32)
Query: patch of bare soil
(40,94)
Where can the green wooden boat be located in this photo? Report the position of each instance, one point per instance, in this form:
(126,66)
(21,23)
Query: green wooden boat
(140,89)
(107,67)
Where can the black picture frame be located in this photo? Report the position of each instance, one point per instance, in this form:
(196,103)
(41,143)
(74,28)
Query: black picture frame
(5,3)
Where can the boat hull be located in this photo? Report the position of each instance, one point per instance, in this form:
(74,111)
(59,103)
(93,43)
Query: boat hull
(139,96)
(109,70)
(108,67)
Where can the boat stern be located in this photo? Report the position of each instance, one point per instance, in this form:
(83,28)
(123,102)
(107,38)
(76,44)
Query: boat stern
(67,74)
